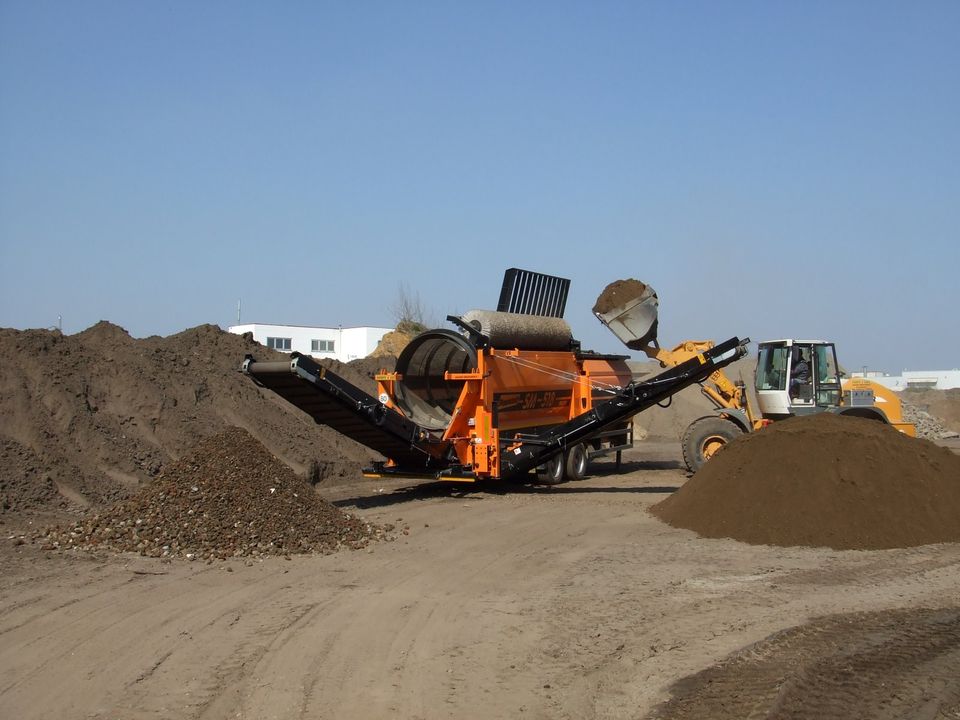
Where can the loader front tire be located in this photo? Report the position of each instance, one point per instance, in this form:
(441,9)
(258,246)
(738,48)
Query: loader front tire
(705,437)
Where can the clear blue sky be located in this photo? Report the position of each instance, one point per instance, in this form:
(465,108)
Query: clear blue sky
(773,169)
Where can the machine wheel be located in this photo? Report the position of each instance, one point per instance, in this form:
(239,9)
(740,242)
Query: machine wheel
(705,437)
(576,462)
(551,472)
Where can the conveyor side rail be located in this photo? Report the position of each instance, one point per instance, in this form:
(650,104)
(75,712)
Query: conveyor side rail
(331,400)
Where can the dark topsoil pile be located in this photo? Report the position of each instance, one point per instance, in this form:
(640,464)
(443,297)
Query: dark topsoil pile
(617,294)
(228,497)
(89,418)
(824,480)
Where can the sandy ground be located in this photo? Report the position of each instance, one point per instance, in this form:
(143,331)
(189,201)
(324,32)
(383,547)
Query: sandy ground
(565,602)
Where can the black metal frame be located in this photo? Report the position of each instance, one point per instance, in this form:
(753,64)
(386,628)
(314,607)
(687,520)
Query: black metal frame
(532,293)
(333,401)
(635,398)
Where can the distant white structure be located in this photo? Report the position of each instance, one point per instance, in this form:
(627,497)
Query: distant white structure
(339,343)
(915,379)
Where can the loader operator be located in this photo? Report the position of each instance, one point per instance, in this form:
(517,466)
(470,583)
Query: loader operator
(800,374)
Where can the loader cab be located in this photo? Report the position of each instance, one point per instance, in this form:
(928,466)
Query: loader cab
(796,377)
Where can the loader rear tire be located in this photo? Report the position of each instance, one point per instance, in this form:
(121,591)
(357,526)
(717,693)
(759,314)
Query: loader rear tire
(552,471)
(576,461)
(705,437)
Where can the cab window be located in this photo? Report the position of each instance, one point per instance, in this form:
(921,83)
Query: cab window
(772,368)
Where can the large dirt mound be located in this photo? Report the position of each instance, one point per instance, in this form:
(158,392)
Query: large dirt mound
(392,344)
(363,372)
(228,497)
(97,414)
(824,480)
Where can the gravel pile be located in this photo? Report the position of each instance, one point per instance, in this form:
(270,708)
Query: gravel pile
(229,497)
(928,426)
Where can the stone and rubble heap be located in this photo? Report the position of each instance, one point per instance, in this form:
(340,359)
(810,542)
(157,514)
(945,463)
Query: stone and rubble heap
(228,497)
(928,426)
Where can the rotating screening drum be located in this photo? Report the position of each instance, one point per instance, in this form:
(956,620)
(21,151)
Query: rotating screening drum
(423,394)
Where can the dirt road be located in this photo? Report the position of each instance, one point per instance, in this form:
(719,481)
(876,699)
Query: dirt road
(566,602)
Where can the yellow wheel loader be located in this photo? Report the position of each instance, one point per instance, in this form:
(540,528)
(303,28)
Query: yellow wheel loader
(793,377)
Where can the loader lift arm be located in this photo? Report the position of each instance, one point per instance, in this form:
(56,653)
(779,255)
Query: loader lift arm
(721,390)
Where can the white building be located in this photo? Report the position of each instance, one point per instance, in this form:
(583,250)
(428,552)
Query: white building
(916,379)
(339,343)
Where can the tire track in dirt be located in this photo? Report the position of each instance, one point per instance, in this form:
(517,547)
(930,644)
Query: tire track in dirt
(84,595)
(660,608)
(537,604)
(883,665)
(427,659)
(210,654)
(127,648)
(923,563)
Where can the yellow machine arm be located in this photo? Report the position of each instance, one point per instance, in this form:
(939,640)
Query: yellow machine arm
(721,390)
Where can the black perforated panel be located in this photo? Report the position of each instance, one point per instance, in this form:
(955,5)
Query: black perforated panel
(532,293)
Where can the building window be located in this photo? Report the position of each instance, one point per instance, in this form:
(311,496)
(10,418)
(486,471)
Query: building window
(279,344)
(319,346)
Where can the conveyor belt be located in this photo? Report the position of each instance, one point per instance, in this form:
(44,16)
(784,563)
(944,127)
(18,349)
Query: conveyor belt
(331,400)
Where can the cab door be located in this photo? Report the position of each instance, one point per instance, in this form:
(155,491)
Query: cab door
(771,379)
(826,375)
(801,386)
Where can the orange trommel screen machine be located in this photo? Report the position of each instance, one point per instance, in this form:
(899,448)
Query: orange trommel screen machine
(505,392)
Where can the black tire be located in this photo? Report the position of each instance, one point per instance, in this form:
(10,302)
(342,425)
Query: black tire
(867,413)
(705,437)
(576,461)
(552,471)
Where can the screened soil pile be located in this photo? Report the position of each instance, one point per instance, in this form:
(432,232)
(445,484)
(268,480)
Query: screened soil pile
(617,294)
(824,480)
(876,666)
(228,497)
(97,414)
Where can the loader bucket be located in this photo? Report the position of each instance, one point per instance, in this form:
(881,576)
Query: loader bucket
(629,310)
